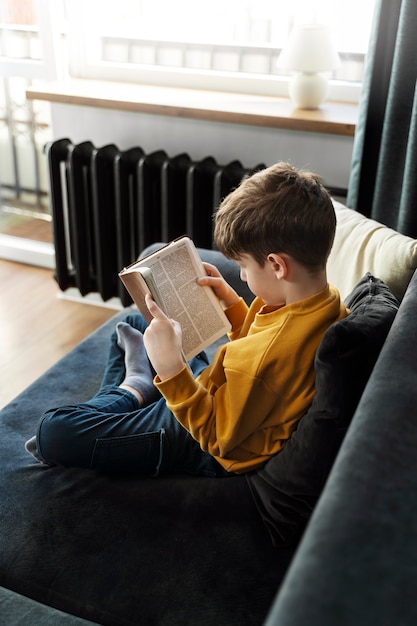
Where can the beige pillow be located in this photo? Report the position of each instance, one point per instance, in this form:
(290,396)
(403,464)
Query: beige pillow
(363,245)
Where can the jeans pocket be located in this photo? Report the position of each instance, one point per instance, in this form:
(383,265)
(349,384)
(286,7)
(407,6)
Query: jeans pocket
(142,453)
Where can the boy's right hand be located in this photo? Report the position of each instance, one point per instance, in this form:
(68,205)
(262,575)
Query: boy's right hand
(163,342)
(225,293)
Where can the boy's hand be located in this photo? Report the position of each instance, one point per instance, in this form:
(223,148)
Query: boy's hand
(163,342)
(225,293)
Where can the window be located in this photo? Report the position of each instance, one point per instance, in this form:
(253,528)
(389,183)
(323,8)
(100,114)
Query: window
(229,45)
(27,52)
(27,41)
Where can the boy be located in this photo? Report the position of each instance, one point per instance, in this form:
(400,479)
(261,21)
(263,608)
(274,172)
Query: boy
(232,415)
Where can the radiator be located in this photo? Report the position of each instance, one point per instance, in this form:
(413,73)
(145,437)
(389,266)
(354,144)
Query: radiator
(107,205)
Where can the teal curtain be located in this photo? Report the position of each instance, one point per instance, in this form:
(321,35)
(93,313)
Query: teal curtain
(383,179)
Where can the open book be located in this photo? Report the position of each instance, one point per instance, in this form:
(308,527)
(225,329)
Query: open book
(170,274)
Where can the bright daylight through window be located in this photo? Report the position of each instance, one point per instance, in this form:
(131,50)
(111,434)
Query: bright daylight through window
(232,45)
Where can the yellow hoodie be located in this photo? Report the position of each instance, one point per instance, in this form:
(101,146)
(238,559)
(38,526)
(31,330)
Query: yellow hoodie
(243,407)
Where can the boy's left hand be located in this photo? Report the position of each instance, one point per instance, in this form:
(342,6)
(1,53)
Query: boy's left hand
(163,342)
(224,292)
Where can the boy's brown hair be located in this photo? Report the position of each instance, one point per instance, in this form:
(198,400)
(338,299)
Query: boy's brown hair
(279,209)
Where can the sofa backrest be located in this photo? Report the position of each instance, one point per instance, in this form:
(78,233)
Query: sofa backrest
(363,245)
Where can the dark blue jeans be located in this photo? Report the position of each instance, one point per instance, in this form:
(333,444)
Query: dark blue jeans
(112,433)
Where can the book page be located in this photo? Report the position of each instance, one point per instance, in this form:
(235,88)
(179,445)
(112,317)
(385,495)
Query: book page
(174,270)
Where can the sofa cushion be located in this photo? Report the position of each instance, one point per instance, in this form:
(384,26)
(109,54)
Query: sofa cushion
(123,550)
(363,245)
(18,610)
(288,486)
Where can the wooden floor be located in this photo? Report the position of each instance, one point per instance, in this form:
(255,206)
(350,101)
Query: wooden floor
(36,326)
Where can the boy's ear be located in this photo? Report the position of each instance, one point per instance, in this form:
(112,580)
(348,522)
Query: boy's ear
(279,264)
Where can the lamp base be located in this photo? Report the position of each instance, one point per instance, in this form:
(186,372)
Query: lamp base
(308,91)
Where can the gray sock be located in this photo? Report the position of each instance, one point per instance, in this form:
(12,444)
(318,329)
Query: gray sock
(30,446)
(139,374)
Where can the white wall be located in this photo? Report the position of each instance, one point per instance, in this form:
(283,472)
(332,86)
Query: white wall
(328,155)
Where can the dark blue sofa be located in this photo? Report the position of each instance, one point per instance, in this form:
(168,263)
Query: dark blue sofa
(325,534)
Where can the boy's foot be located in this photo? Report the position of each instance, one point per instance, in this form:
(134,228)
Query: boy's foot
(139,375)
(30,446)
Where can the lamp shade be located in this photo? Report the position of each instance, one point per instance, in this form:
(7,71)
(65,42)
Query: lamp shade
(310,48)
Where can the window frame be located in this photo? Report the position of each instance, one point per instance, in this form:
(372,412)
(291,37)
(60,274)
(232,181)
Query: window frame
(80,66)
(49,66)
(209,80)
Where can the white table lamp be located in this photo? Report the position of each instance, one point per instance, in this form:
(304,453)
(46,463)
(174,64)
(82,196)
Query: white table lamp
(309,50)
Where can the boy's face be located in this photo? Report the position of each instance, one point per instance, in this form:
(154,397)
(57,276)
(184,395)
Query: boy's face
(262,281)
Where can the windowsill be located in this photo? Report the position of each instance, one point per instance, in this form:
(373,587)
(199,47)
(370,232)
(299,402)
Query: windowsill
(338,118)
